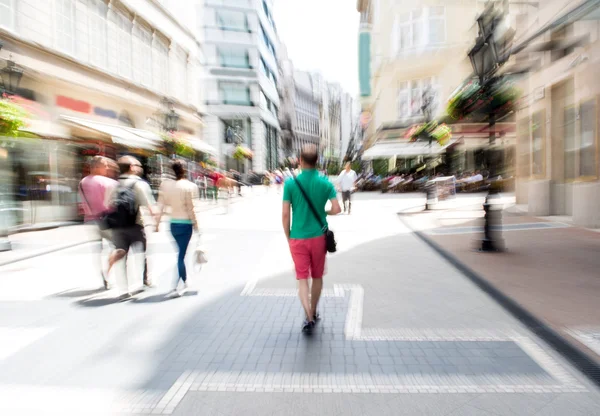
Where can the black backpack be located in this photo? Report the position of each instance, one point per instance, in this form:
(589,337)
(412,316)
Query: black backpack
(124,208)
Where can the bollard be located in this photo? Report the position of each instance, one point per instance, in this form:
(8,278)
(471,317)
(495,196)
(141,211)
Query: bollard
(492,226)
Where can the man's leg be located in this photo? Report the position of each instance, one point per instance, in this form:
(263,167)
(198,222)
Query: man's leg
(301,258)
(349,202)
(318,254)
(315,295)
(303,291)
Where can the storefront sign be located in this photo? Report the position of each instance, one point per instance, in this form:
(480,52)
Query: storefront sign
(72,104)
(102,112)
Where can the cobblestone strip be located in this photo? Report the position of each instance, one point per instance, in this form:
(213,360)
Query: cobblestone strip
(544,360)
(346,383)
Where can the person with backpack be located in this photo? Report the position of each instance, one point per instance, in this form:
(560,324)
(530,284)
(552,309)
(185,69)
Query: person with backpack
(126,219)
(307,233)
(179,196)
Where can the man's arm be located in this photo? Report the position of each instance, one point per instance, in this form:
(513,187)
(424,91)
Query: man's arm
(285,218)
(335,207)
(286,209)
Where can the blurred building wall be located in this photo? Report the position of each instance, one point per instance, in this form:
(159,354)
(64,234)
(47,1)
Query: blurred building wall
(558,157)
(109,62)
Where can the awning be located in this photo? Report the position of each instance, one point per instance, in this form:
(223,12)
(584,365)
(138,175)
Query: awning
(200,146)
(44,128)
(124,136)
(403,150)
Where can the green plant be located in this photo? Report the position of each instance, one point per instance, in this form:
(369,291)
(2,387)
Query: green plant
(174,146)
(380,167)
(240,153)
(12,118)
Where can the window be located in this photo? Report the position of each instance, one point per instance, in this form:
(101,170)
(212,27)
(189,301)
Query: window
(538,136)
(234,93)
(415,98)
(416,23)
(160,65)
(98,24)
(7,13)
(232,20)
(420,27)
(122,26)
(267,71)
(571,150)
(142,55)
(404,100)
(267,41)
(437,25)
(523,147)
(587,146)
(233,57)
(410,97)
(180,75)
(65,25)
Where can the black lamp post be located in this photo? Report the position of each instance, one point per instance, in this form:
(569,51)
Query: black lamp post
(490,52)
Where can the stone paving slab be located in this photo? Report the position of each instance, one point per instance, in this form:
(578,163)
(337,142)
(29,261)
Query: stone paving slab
(553,273)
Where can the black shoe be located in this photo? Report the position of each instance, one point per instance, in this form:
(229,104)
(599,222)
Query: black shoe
(308,326)
(316,317)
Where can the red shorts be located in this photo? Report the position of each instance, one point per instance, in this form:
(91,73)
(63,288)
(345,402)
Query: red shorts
(309,257)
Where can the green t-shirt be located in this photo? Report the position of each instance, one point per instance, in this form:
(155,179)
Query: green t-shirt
(319,190)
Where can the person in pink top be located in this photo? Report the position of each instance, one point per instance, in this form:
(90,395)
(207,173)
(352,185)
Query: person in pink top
(93,190)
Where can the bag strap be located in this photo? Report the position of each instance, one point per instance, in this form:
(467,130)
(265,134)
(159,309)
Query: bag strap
(84,197)
(311,206)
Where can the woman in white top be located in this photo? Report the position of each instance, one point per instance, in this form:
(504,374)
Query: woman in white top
(179,196)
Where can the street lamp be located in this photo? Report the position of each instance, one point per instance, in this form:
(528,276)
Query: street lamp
(495,34)
(171,118)
(11,77)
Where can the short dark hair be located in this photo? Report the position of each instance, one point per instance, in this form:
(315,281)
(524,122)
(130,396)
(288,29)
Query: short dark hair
(178,167)
(310,155)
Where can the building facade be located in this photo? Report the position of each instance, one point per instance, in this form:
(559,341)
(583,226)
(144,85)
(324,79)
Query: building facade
(94,75)
(242,74)
(557,123)
(411,48)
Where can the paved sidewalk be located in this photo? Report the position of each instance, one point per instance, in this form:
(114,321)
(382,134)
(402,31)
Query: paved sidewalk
(551,269)
(402,333)
(26,245)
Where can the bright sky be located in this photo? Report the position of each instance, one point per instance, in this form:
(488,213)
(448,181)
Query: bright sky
(321,35)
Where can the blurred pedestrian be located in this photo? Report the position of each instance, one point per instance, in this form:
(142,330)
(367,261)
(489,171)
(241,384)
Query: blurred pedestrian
(306,235)
(179,197)
(93,190)
(127,220)
(347,181)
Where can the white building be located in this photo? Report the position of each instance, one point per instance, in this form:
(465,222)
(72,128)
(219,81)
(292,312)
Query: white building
(92,71)
(242,100)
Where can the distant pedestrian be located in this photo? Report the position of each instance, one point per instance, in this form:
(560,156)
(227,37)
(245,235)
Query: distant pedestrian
(127,220)
(93,190)
(347,181)
(306,234)
(179,196)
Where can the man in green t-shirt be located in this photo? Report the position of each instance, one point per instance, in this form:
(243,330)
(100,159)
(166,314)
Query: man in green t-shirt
(306,236)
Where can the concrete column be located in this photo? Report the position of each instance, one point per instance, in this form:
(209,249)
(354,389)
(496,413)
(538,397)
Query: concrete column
(539,198)
(586,200)
(258,145)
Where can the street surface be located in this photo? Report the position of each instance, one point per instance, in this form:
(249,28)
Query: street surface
(403,332)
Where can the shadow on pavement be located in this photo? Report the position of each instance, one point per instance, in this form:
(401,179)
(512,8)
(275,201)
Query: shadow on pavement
(99,302)
(164,297)
(78,293)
